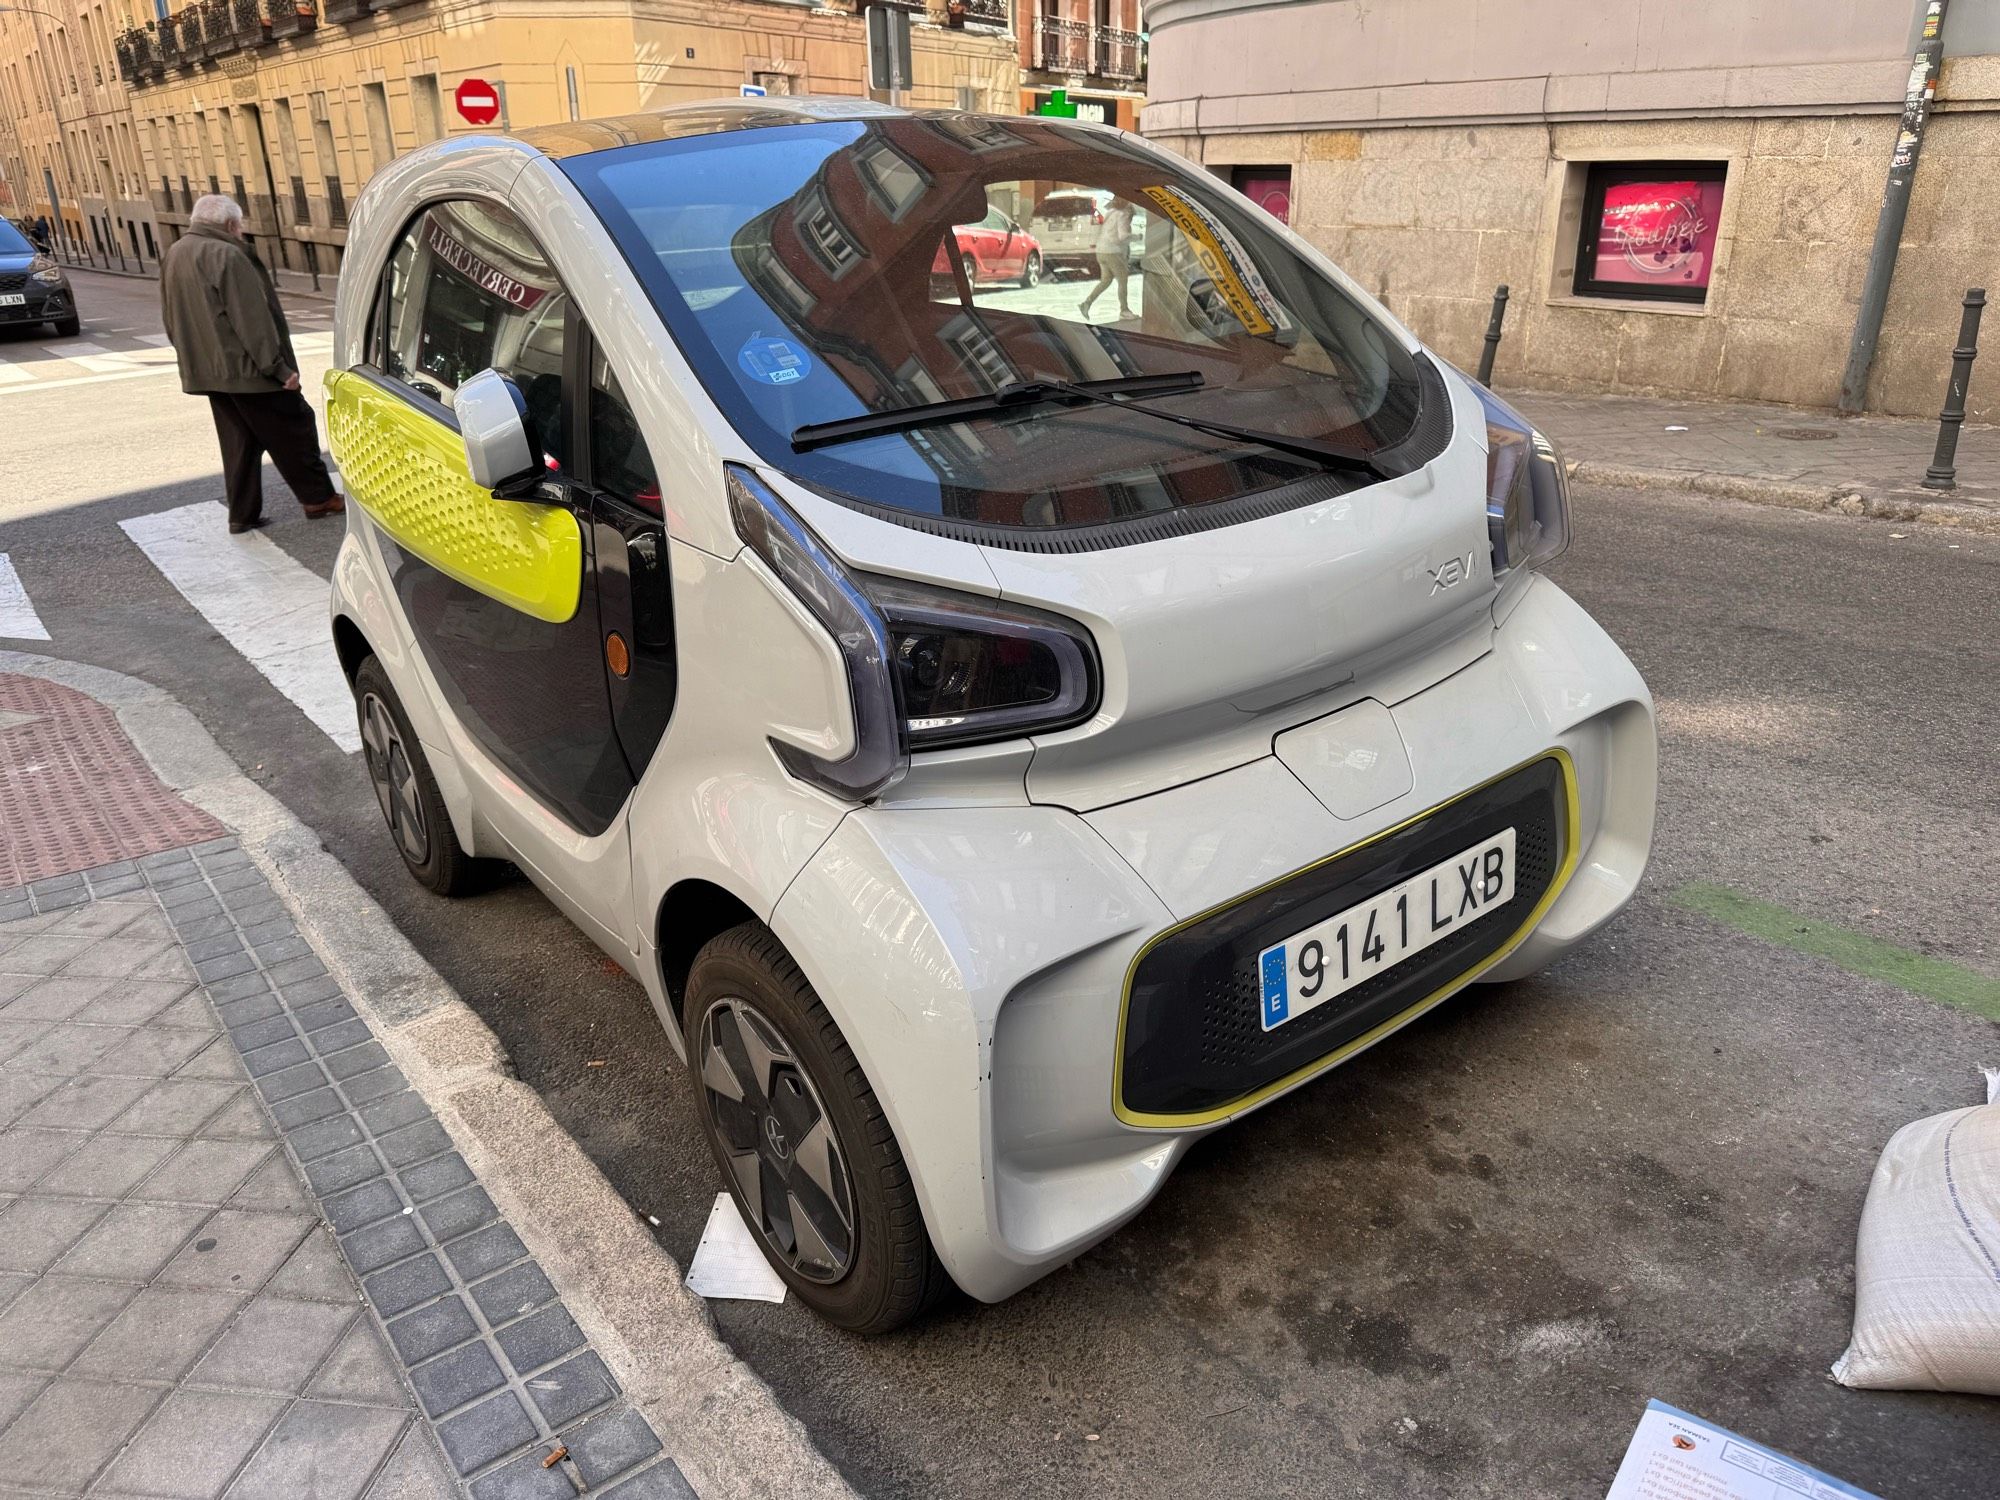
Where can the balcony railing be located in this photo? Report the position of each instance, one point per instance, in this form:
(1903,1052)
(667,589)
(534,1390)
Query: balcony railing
(977,12)
(252,25)
(1062,46)
(293,17)
(218,28)
(1118,54)
(340,12)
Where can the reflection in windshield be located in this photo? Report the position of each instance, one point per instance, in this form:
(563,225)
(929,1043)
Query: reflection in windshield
(818,271)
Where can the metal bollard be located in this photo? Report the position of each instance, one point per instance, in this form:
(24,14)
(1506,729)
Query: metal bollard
(1493,335)
(1943,472)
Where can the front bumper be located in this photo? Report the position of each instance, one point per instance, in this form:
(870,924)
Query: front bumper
(44,303)
(980,961)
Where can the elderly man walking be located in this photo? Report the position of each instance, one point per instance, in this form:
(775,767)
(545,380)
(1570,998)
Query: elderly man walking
(230,336)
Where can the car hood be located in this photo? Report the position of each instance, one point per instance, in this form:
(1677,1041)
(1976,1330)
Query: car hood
(15,262)
(1214,643)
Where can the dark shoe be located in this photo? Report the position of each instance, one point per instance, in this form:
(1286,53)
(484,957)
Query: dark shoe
(237,528)
(332,507)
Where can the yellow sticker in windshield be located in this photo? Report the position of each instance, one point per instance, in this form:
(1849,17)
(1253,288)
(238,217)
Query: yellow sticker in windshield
(1235,276)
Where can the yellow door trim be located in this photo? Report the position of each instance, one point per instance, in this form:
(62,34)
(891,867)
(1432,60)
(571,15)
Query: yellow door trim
(407,471)
(1367,1039)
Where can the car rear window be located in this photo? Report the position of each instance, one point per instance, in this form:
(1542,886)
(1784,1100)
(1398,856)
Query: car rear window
(802,270)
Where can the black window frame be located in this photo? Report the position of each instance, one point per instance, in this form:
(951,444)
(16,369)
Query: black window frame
(1599,178)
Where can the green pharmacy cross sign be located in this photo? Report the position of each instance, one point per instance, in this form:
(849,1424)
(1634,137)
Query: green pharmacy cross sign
(1057,104)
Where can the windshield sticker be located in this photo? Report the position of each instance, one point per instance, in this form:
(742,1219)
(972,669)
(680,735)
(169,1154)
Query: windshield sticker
(774,361)
(1228,264)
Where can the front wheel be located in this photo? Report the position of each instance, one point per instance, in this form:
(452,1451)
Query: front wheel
(408,793)
(67,328)
(971,268)
(1031,273)
(804,1147)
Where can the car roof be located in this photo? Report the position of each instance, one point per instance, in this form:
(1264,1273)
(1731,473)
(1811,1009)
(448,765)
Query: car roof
(708,117)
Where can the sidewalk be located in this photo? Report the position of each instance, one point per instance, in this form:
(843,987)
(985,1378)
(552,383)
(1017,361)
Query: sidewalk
(240,1252)
(1774,455)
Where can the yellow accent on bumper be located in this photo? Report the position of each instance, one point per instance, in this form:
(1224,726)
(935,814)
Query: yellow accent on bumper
(408,472)
(1572,833)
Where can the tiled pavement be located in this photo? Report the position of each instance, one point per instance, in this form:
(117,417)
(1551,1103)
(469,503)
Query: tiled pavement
(179,1307)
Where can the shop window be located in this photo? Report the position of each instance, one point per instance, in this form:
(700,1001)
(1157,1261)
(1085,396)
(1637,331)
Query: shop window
(1649,230)
(1270,188)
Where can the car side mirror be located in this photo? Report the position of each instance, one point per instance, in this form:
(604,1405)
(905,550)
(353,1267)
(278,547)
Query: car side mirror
(492,421)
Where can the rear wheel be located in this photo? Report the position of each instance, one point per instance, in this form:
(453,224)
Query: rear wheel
(408,794)
(1031,273)
(970,267)
(804,1147)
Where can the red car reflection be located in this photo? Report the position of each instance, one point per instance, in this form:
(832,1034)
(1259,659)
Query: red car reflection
(996,249)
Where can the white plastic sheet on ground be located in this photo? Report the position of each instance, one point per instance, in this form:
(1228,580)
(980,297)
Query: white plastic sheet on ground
(1927,1263)
(728,1263)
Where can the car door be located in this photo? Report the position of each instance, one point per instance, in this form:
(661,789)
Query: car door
(629,542)
(497,594)
(1008,247)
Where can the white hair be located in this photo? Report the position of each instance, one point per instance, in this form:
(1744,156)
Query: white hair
(216,208)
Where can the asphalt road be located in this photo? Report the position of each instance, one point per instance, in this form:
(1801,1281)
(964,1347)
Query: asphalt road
(1460,1265)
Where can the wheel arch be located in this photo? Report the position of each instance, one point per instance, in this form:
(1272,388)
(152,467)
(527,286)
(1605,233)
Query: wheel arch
(691,913)
(351,644)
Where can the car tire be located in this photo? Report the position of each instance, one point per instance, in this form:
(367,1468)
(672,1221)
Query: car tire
(405,789)
(1031,273)
(67,328)
(747,999)
(971,268)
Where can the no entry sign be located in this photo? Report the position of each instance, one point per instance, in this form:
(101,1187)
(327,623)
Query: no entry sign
(478,101)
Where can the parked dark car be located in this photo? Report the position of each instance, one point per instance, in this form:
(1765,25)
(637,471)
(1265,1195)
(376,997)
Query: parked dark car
(33,288)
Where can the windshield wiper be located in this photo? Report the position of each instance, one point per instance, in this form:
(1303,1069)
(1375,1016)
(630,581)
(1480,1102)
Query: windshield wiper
(1119,391)
(1021,393)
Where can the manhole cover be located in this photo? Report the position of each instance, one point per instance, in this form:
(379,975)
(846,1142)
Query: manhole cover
(1804,434)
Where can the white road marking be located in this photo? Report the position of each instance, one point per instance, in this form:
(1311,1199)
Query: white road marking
(267,605)
(157,340)
(104,365)
(18,620)
(13,374)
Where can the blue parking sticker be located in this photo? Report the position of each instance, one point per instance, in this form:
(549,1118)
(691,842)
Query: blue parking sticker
(774,361)
(1277,994)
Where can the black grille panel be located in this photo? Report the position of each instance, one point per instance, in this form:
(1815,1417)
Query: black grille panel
(1193,1040)
(13,281)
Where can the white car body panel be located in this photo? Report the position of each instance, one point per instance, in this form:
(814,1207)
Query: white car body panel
(1274,692)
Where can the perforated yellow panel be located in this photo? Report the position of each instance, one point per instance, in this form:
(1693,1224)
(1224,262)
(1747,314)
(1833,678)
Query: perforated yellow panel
(408,472)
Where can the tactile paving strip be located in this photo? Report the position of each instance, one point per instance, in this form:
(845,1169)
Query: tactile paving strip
(74,793)
(522,1406)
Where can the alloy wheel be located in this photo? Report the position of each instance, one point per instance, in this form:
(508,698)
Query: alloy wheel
(779,1142)
(395,779)
(1032,276)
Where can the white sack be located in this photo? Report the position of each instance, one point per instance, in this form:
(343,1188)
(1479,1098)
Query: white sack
(1927,1263)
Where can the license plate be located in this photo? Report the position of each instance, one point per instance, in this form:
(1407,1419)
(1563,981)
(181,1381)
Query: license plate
(13,299)
(1332,957)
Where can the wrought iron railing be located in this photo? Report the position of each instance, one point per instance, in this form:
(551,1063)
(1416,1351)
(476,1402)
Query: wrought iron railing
(336,204)
(339,12)
(292,17)
(1119,53)
(1061,45)
(301,208)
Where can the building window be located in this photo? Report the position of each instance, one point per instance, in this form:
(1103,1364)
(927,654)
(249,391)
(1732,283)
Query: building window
(428,105)
(1649,230)
(1270,188)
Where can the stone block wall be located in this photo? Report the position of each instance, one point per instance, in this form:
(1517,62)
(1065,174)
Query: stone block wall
(1431,219)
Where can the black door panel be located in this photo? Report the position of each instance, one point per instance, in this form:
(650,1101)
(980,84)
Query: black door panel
(636,603)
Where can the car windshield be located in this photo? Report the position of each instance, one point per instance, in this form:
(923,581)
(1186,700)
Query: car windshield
(826,270)
(12,241)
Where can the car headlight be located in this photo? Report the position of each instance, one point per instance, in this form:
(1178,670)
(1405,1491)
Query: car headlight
(1527,489)
(926,667)
(45,270)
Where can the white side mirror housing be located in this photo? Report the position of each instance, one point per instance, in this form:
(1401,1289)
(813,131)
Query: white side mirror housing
(491,413)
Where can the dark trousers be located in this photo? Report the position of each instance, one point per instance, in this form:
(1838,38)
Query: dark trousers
(278,423)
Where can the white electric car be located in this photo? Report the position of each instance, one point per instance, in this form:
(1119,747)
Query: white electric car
(1005,746)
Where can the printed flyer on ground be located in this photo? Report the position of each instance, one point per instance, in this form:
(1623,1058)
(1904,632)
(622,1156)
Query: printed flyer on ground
(1674,1456)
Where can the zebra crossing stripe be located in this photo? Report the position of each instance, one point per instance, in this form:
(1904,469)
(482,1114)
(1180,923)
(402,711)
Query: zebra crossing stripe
(18,620)
(269,606)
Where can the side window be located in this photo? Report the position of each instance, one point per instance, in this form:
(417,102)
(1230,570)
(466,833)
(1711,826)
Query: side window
(620,464)
(468,289)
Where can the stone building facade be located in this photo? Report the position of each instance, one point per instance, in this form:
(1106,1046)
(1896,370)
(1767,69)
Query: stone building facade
(1437,151)
(1093,50)
(290,105)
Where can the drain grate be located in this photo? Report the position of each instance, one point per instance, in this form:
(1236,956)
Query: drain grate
(1804,434)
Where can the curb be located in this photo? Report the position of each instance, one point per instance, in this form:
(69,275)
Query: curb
(1872,502)
(723,1426)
